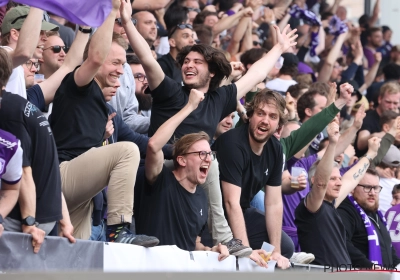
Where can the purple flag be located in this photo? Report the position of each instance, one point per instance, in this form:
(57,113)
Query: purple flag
(84,12)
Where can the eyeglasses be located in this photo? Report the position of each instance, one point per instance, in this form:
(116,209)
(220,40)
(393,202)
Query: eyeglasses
(30,63)
(119,21)
(368,188)
(180,26)
(140,77)
(193,10)
(57,49)
(256,43)
(203,154)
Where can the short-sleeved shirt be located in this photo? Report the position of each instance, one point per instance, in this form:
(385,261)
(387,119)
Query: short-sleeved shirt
(372,124)
(170,67)
(10,158)
(240,166)
(30,126)
(323,234)
(170,97)
(79,117)
(171,213)
(35,96)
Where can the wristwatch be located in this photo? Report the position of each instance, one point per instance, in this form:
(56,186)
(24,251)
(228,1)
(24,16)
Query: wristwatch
(1,219)
(30,221)
(86,31)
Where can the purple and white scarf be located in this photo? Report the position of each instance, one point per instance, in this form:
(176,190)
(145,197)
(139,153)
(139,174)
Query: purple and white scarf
(337,27)
(374,254)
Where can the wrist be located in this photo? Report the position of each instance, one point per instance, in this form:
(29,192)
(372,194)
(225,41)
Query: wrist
(340,103)
(370,155)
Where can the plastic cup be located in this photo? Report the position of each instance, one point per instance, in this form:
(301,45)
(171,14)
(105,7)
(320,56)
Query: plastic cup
(296,172)
(38,78)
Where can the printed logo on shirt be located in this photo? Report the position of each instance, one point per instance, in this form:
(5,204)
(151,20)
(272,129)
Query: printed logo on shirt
(266,172)
(2,164)
(10,145)
(30,109)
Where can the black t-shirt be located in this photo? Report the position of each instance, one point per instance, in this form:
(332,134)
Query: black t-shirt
(79,117)
(170,67)
(238,165)
(323,234)
(171,213)
(170,97)
(27,123)
(372,124)
(34,95)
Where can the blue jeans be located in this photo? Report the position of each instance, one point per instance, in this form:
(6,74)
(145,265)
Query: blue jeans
(99,232)
(258,201)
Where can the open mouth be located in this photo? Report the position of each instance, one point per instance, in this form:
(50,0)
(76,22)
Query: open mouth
(204,170)
(190,74)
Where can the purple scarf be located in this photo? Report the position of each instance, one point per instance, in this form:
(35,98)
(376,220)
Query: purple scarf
(375,255)
(337,27)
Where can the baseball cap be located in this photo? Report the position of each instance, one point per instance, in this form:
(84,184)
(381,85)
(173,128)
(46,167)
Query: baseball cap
(392,158)
(15,18)
(305,69)
(290,59)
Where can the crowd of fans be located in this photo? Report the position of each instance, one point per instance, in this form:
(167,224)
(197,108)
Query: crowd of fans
(206,125)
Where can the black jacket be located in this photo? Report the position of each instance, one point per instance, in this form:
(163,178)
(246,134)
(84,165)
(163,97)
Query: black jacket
(357,238)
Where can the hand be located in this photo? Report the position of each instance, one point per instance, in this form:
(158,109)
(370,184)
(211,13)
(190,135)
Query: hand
(345,92)
(109,126)
(290,103)
(1,229)
(160,13)
(373,145)
(253,4)
(37,236)
(332,92)
(223,250)
(258,259)
(281,261)
(302,179)
(378,57)
(125,11)
(116,4)
(279,12)
(333,132)
(269,15)
(359,117)
(286,39)
(247,12)
(237,70)
(67,230)
(350,151)
(195,98)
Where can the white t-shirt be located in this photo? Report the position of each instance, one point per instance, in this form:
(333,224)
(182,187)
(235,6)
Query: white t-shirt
(163,47)
(385,196)
(280,85)
(16,83)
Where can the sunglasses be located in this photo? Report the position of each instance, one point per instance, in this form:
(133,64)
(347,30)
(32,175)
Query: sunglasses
(180,26)
(193,10)
(256,43)
(119,21)
(57,48)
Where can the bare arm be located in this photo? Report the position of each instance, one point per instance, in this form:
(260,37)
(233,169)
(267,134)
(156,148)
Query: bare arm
(362,140)
(352,177)
(222,249)
(323,172)
(370,76)
(284,22)
(231,21)
(334,7)
(98,49)
(73,59)
(321,38)
(260,69)
(149,5)
(28,37)
(154,155)
(8,197)
(238,35)
(274,215)
(375,14)
(153,70)
(247,42)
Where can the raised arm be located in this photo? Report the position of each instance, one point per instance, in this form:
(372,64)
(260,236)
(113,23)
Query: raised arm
(375,13)
(149,5)
(370,76)
(352,177)
(99,47)
(323,172)
(230,21)
(260,69)
(154,154)
(153,70)
(238,35)
(73,59)
(28,37)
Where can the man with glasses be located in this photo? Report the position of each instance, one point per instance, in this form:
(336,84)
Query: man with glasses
(174,208)
(368,241)
(54,53)
(23,35)
(179,36)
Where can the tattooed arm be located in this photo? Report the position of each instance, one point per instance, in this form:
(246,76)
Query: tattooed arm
(352,177)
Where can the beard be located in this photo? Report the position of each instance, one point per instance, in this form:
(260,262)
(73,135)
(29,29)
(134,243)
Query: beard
(258,139)
(145,101)
(204,80)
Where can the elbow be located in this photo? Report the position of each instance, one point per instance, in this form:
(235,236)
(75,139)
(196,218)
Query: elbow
(152,146)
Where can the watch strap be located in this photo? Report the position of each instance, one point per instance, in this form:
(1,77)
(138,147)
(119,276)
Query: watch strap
(86,31)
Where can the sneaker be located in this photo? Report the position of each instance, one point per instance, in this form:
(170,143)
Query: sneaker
(236,248)
(127,237)
(302,258)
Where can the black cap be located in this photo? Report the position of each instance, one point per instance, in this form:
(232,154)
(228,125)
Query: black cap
(290,59)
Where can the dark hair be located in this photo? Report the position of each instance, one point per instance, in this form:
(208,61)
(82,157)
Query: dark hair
(224,5)
(321,87)
(307,101)
(6,67)
(326,15)
(396,189)
(204,34)
(385,28)
(116,38)
(371,171)
(267,96)
(296,90)
(216,60)
(290,70)
(372,30)
(391,71)
(251,56)
(201,17)
(174,16)
(132,59)
(183,144)
(363,20)
(387,116)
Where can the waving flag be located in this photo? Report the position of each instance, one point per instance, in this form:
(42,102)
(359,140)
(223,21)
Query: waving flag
(83,12)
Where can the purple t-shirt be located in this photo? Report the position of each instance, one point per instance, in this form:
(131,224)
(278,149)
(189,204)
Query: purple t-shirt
(10,158)
(392,219)
(369,55)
